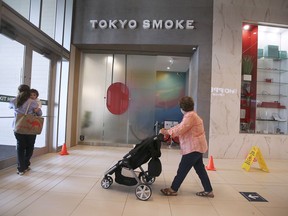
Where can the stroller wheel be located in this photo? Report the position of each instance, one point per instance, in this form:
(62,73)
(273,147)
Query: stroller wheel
(106,182)
(146,179)
(110,179)
(143,192)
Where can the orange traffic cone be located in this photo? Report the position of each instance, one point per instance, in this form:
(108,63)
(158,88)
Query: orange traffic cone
(211,164)
(64,150)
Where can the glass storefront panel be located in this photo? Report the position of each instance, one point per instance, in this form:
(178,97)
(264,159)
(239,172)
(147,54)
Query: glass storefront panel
(114,125)
(35,10)
(68,24)
(11,72)
(94,69)
(37,71)
(48,17)
(63,103)
(60,14)
(55,20)
(22,7)
(138,74)
(40,81)
(142,86)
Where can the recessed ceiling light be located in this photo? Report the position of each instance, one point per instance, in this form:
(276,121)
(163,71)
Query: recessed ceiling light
(109,59)
(246,27)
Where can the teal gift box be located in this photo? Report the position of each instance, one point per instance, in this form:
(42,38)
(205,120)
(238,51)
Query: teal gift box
(282,54)
(260,53)
(271,51)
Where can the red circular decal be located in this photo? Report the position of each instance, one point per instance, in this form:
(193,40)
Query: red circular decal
(117,100)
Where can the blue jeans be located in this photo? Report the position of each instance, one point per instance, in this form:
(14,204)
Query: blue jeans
(193,159)
(25,148)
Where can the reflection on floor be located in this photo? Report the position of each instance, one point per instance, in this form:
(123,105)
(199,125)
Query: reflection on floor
(7,152)
(70,185)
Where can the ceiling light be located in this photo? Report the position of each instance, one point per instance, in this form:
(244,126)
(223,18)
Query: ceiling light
(246,27)
(109,59)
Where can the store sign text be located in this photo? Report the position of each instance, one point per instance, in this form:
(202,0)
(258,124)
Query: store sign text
(8,98)
(146,24)
(217,91)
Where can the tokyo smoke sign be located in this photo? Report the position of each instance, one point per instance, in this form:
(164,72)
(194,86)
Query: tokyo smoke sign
(145,24)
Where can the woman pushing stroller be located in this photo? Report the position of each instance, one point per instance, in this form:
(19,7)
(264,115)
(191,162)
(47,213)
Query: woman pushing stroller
(193,144)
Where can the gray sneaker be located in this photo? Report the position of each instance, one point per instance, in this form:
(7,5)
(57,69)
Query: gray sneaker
(20,173)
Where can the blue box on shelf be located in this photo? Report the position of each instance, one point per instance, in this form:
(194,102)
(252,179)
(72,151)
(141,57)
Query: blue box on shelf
(271,51)
(282,54)
(260,53)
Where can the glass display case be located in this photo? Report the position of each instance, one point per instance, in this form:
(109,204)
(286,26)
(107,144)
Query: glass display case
(264,96)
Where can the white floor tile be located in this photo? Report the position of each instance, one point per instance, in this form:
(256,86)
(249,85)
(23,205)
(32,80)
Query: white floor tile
(71,185)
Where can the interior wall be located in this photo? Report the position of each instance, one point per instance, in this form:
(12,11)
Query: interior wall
(225,139)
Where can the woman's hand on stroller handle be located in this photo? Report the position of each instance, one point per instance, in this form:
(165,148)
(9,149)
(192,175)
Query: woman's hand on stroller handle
(163,131)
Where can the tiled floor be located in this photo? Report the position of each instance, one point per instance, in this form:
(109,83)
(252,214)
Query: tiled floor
(70,185)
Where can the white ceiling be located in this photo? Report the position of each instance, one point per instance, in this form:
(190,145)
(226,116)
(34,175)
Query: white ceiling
(271,29)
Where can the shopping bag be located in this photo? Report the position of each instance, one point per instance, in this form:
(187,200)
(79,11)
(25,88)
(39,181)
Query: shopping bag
(28,124)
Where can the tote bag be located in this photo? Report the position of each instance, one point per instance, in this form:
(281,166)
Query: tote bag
(28,123)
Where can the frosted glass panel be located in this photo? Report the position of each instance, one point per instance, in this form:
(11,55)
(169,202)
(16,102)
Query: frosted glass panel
(139,74)
(98,73)
(142,85)
(94,69)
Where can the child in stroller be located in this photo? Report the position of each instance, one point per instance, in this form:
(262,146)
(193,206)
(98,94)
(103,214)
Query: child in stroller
(147,150)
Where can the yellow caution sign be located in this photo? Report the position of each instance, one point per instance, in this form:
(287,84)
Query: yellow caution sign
(255,153)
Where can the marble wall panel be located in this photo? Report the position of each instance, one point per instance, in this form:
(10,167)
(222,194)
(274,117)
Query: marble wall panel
(225,141)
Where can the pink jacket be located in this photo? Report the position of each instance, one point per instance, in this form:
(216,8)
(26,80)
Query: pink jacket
(191,134)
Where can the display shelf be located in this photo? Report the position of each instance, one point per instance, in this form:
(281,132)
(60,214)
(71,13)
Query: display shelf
(271,105)
(271,95)
(272,58)
(272,70)
(272,83)
(270,120)
(264,99)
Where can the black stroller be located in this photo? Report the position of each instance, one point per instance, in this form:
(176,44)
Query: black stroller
(147,150)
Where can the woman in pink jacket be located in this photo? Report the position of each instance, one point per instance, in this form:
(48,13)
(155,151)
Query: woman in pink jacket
(193,144)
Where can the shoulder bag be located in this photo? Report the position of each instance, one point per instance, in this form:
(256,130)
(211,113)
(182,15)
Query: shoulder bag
(28,123)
